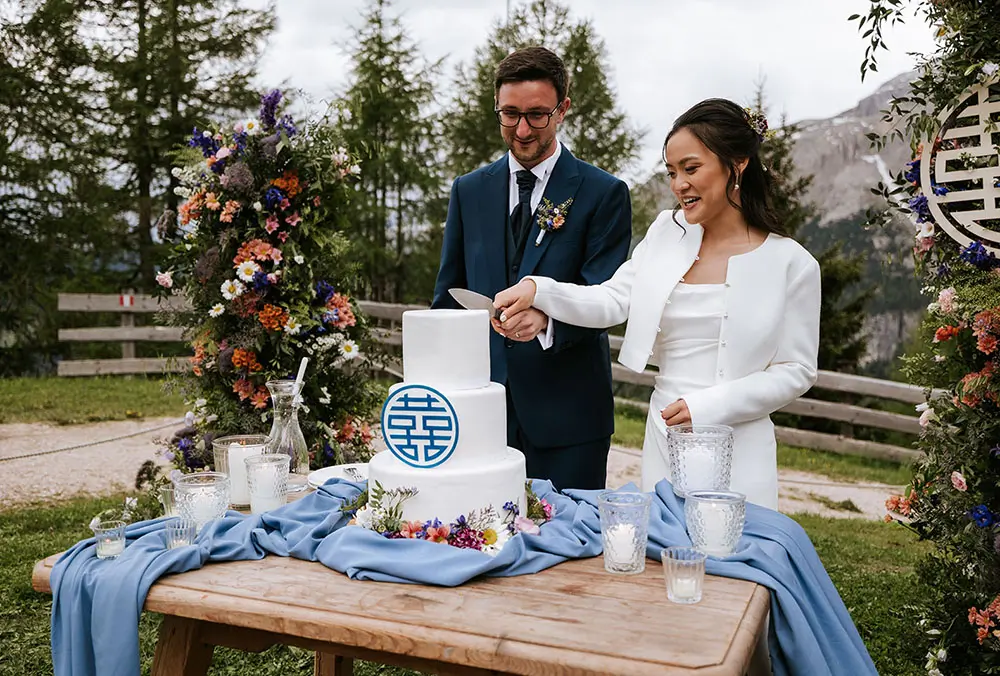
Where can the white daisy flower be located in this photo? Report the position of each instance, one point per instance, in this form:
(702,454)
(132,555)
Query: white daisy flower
(300,259)
(176,172)
(250,126)
(246,270)
(217,310)
(231,288)
(349,350)
(292,327)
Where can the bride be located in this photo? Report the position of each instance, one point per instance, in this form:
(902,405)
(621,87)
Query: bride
(716,295)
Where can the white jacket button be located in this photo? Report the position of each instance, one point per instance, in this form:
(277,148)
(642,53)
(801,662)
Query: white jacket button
(723,343)
(659,329)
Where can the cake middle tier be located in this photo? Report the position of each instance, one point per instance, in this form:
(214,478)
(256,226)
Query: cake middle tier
(449,491)
(481,415)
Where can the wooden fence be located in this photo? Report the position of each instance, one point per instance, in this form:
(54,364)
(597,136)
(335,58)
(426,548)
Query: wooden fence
(390,314)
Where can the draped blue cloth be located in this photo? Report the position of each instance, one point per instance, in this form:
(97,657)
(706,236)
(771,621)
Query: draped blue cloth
(97,603)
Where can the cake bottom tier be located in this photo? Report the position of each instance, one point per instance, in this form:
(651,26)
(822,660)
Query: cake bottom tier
(446,493)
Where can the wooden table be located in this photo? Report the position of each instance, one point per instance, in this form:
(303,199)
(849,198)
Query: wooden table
(574,618)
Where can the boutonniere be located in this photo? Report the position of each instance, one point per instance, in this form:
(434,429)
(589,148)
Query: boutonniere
(551,217)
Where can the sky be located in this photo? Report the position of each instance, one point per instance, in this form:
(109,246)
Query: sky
(664,55)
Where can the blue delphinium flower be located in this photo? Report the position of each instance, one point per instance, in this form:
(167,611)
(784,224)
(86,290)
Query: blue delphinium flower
(268,106)
(273,197)
(204,141)
(912,174)
(323,291)
(286,123)
(982,515)
(976,254)
(919,206)
(260,281)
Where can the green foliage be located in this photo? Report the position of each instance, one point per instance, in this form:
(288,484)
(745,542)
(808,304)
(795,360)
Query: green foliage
(397,210)
(70,401)
(595,130)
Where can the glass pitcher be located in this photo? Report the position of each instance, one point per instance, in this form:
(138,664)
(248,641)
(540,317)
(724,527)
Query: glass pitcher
(286,435)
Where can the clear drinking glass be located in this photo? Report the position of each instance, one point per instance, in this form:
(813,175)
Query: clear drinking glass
(109,537)
(286,435)
(268,479)
(700,457)
(180,533)
(683,573)
(167,500)
(230,452)
(715,520)
(624,529)
(202,496)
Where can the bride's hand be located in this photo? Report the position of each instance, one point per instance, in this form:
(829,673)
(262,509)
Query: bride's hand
(676,413)
(516,299)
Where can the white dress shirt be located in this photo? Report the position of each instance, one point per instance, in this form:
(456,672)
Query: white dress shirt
(542,172)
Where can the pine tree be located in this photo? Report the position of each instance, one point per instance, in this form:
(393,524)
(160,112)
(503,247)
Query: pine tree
(595,129)
(387,121)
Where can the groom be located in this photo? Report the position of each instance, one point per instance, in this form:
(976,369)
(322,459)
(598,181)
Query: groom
(539,210)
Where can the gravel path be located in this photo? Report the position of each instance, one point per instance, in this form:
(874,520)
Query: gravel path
(111,466)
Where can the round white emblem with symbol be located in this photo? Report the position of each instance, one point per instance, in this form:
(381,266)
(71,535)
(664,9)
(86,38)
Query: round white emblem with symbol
(420,426)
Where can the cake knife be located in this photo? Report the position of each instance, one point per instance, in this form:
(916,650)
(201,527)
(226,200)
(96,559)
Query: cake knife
(471,300)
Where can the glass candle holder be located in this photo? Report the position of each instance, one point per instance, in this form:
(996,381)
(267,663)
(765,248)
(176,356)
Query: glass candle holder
(683,573)
(715,520)
(180,533)
(700,457)
(624,530)
(167,500)
(230,453)
(109,537)
(202,496)
(268,479)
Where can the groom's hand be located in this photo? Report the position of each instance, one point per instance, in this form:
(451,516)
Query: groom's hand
(523,327)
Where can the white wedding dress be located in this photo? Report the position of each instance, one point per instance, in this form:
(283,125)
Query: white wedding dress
(687,352)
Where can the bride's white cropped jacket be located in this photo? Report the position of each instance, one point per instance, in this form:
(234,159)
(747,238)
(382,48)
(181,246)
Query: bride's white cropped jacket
(770,331)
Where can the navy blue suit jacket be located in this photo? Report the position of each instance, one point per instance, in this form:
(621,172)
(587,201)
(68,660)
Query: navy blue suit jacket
(563,395)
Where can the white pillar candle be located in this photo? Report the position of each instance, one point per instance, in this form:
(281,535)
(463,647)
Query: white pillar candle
(267,496)
(698,469)
(714,518)
(620,541)
(684,587)
(238,453)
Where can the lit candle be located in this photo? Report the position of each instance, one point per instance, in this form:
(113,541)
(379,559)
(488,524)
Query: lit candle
(266,496)
(619,544)
(110,546)
(238,453)
(684,587)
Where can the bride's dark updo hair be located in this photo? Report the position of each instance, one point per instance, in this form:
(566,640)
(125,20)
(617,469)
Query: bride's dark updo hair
(732,134)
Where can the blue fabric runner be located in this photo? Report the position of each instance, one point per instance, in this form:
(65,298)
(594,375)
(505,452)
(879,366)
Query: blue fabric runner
(96,604)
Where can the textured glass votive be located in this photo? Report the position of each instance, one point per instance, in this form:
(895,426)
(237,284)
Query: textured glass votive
(230,452)
(180,533)
(201,496)
(109,537)
(700,457)
(684,573)
(624,529)
(167,501)
(268,479)
(715,520)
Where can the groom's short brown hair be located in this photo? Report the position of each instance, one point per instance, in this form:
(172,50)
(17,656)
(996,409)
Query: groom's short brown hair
(533,63)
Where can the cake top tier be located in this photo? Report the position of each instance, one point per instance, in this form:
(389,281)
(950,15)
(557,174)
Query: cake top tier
(446,349)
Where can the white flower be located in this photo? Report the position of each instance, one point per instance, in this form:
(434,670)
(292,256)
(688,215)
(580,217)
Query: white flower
(165,279)
(925,229)
(365,517)
(191,234)
(926,417)
(933,307)
(340,156)
(292,327)
(258,207)
(181,191)
(250,126)
(349,350)
(246,270)
(939,358)
(922,407)
(176,172)
(355,169)
(942,655)
(189,418)
(217,310)
(200,403)
(325,399)
(222,153)
(300,259)
(231,288)
(206,134)
(935,672)
(188,247)
(990,69)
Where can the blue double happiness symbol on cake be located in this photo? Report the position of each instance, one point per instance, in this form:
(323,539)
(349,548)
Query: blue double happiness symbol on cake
(420,426)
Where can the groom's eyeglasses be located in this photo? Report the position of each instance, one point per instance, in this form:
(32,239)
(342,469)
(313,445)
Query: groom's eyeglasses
(512,118)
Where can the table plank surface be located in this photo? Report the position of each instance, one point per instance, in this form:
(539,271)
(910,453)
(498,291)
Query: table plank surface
(574,618)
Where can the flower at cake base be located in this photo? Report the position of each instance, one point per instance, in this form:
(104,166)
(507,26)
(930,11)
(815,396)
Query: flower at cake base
(525,525)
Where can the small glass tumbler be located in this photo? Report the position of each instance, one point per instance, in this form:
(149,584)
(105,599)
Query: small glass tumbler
(110,539)
(715,520)
(624,529)
(167,501)
(180,533)
(684,573)
(229,454)
(201,496)
(700,457)
(268,479)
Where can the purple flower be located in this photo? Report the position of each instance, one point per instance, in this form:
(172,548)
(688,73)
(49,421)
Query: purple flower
(982,515)
(260,281)
(943,270)
(204,141)
(273,197)
(509,506)
(939,190)
(995,452)
(324,290)
(466,538)
(976,254)
(286,123)
(913,172)
(268,106)
(185,444)
(332,316)
(919,207)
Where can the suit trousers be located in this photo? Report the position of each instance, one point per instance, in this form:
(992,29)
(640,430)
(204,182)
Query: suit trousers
(583,466)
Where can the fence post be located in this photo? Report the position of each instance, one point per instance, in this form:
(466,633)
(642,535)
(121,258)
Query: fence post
(127,300)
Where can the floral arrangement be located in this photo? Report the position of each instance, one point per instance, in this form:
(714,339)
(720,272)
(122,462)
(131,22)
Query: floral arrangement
(954,496)
(266,274)
(551,217)
(484,530)
(758,122)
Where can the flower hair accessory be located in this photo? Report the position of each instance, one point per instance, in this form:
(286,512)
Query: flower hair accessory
(757,122)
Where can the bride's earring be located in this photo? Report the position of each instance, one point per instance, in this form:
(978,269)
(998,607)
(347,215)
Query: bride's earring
(736,187)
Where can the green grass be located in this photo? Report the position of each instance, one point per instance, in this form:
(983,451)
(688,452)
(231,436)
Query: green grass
(871,564)
(630,427)
(67,401)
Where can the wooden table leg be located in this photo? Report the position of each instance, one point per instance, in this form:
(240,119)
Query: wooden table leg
(180,650)
(327,664)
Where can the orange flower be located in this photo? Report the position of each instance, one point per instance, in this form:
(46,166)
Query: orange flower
(260,398)
(289,182)
(945,333)
(212,202)
(438,534)
(410,529)
(272,317)
(345,316)
(246,359)
(244,388)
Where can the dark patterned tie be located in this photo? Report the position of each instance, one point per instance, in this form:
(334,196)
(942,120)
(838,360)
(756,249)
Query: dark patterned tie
(521,215)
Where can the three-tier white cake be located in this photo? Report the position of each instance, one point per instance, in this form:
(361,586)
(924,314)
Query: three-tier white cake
(446,423)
